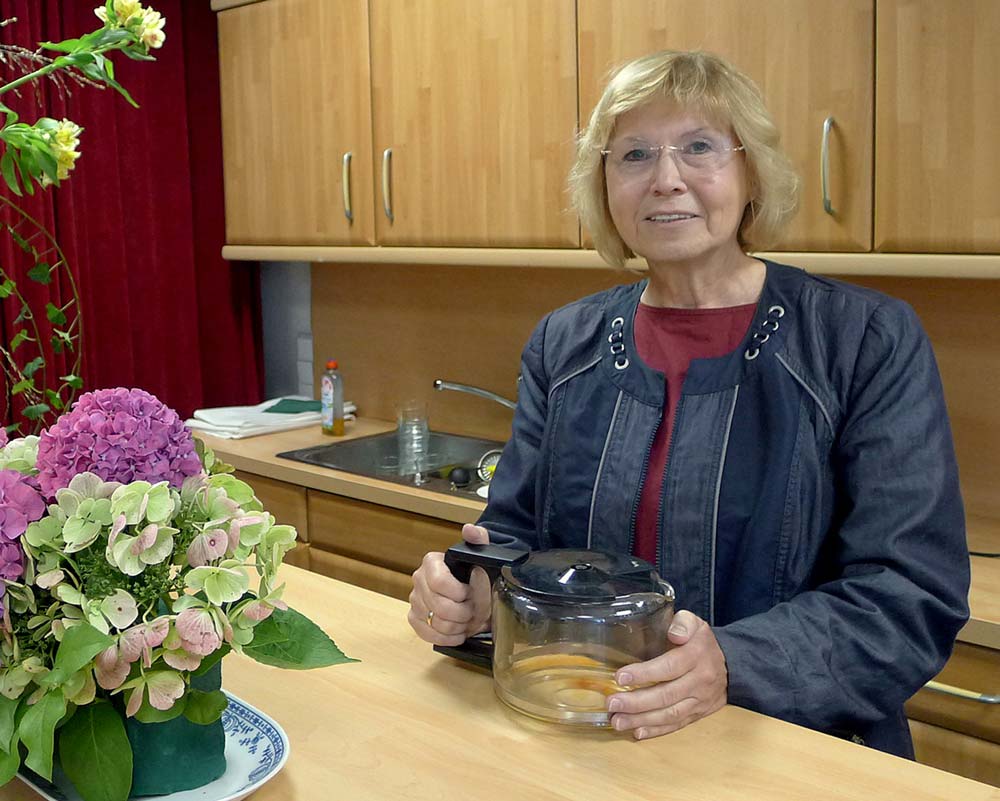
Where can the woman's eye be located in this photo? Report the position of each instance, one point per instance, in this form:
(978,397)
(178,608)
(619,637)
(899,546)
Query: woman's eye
(701,147)
(636,154)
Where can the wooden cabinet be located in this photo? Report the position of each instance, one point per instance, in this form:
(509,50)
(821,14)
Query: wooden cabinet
(374,546)
(937,164)
(474,111)
(961,735)
(295,100)
(477,103)
(812,61)
(460,116)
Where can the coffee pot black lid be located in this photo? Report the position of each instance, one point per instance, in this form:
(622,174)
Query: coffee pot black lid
(580,575)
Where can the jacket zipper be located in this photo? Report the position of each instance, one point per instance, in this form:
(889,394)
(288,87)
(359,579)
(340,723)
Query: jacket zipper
(715,508)
(638,491)
(600,468)
(660,568)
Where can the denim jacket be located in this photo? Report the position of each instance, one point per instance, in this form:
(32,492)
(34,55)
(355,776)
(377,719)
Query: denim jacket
(811,510)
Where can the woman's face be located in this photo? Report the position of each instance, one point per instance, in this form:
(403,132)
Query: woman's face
(678,204)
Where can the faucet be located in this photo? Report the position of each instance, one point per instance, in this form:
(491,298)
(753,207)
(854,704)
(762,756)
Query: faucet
(482,393)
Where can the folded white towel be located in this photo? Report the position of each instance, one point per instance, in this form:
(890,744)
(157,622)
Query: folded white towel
(237,422)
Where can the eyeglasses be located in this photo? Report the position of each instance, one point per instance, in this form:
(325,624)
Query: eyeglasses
(700,154)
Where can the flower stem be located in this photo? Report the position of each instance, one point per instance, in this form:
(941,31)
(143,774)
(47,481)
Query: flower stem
(31,76)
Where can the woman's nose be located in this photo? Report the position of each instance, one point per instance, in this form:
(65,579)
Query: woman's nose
(667,176)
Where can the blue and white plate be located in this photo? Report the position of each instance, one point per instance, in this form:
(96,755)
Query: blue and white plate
(256,749)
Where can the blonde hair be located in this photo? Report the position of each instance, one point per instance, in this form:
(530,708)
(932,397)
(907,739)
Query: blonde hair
(693,80)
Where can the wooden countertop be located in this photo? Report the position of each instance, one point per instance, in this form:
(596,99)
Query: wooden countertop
(257,455)
(407,723)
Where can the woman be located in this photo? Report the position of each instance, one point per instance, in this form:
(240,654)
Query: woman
(775,443)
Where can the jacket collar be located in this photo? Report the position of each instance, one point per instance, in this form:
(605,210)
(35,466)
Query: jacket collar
(776,310)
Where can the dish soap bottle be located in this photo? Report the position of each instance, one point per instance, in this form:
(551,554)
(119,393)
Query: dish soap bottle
(332,401)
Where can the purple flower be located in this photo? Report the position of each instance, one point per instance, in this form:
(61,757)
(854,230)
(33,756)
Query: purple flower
(121,435)
(20,504)
(3,436)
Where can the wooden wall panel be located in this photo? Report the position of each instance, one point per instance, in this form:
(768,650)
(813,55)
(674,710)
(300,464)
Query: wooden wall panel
(397,328)
(394,329)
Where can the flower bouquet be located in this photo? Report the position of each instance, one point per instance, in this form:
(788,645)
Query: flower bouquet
(126,556)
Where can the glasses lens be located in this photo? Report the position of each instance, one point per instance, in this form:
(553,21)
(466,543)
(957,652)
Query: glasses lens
(697,153)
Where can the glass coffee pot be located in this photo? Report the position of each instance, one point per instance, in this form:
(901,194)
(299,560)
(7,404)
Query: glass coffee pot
(564,621)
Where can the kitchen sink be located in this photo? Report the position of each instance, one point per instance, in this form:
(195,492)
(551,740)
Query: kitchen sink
(376,456)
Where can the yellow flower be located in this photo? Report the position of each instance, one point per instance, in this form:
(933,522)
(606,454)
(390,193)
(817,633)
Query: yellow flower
(65,140)
(124,11)
(150,31)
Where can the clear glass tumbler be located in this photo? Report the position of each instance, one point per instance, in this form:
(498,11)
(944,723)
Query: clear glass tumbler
(413,436)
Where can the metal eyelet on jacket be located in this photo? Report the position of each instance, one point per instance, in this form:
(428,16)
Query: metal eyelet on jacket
(766,327)
(617,341)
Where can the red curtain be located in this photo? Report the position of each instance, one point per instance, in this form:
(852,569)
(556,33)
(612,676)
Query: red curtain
(140,218)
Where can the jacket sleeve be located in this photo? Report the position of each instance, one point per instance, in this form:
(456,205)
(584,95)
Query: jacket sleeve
(891,593)
(510,514)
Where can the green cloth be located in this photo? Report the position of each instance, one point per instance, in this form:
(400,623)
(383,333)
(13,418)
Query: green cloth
(292,406)
(178,754)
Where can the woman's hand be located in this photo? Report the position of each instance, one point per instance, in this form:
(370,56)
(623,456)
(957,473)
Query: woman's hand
(443,610)
(688,682)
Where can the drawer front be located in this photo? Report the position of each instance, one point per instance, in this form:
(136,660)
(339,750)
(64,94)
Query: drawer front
(971,667)
(361,574)
(378,535)
(956,753)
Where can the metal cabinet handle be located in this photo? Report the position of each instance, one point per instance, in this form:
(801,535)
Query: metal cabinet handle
(824,166)
(386,189)
(346,184)
(959,692)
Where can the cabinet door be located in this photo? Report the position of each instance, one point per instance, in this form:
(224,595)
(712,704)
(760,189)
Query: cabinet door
(937,167)
(295,99)
(812,60)
(477,102)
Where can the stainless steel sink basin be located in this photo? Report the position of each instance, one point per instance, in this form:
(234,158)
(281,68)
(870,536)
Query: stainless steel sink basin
(374,456)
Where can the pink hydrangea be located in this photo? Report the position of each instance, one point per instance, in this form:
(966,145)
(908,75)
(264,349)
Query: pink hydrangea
(121,435)
(20,504)
(3,437)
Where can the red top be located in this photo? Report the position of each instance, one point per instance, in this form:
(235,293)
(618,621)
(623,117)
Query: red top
(667,340)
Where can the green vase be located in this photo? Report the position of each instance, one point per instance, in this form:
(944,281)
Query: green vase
(178,754)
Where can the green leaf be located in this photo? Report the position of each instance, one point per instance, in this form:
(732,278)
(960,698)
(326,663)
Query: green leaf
(95,753)
(204,708)
(8,717)
(9,765)
(73,380)
(150,714)
(288,639)
(33,366)
(37,731)
(80,644)
(55,314)
(65,46)
(20,386)
(41,272)
(54,400)
(7,288)
(19,337)
(37,411)
(7,169)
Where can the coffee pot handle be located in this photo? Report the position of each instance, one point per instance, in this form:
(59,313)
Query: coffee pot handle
(461,558)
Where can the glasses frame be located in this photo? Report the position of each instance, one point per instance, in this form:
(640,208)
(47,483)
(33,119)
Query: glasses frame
(672,149)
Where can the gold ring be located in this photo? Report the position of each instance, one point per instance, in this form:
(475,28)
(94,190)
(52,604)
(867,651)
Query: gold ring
(430,618)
